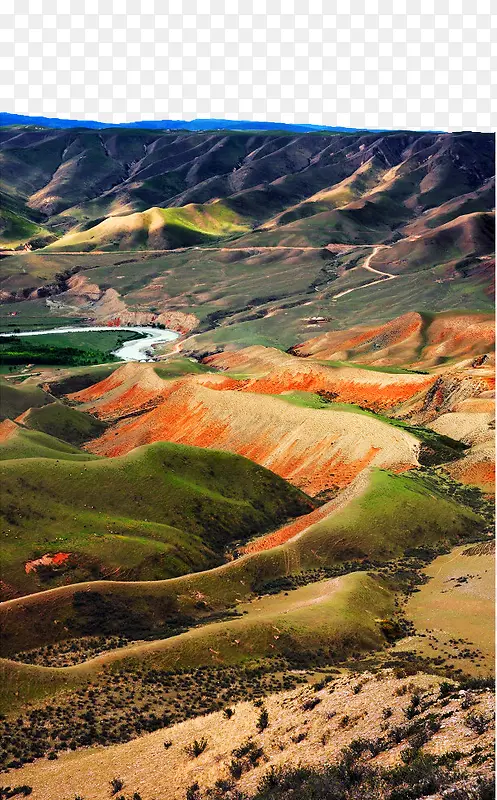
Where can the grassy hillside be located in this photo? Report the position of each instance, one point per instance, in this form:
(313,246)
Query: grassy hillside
(393,515)
(157,228)
(322,620)
(14,399)
(159,511)
(23,443)
(64,422)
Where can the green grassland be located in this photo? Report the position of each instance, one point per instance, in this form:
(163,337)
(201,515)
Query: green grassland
(323,621)
(395,514)
(68,349)
(25,443)
(16,399)
(66,423)
(159,511)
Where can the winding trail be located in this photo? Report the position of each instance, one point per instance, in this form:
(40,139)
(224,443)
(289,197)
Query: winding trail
(386,276)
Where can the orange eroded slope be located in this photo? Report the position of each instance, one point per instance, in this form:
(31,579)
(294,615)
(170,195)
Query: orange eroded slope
(407,340)
(315,449)
(7,429)
(298,526)
(276,372)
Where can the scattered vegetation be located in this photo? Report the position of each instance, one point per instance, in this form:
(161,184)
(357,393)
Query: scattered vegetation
(126,703)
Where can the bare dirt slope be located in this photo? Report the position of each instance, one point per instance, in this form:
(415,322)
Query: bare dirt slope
(410,339)
(314,449)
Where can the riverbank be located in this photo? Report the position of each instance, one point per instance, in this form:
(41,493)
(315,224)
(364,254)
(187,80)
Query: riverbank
(139,349)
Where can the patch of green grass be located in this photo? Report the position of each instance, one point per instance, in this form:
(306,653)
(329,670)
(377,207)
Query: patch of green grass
(372,368)
(14,399)
(66,423)
(177,367)
(305,399)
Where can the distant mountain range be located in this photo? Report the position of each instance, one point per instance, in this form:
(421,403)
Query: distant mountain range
(167,124)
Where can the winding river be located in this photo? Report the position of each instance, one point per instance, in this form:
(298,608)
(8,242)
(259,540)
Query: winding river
(132,350)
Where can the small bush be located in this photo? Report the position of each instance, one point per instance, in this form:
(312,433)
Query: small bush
(387,712)
(196,747)
(193,792)
(311,703)
(477,722)
(263,721)
(167,744)
(236,768)
(116,785)
(228,713)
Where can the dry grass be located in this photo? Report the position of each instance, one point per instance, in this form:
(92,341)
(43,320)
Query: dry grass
(454,612)
(296,734)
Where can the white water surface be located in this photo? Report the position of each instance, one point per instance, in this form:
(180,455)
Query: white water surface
(133,350)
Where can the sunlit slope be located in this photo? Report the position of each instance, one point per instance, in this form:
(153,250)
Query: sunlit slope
(415,339)
(315,449)
(157,228)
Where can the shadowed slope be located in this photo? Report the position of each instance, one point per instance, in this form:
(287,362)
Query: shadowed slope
(157,512)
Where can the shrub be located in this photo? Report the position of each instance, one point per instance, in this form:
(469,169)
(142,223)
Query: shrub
(387,712)
(311,703)
(414,707)
(446,689)
(263,721)
(193,792)
(167,744)
(196,747)
(236,768)
(228,713)
(477,722)
(116,785)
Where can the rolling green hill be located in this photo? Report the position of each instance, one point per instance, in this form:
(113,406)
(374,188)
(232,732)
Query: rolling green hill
(24,443)
(157,228)
(63,422)
(15,399)
(327,619)
(394,515)
(160,511)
